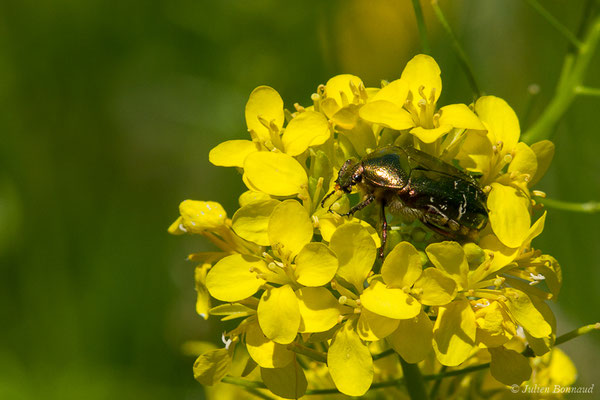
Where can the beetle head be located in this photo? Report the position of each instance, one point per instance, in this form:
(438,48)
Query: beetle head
(349,175)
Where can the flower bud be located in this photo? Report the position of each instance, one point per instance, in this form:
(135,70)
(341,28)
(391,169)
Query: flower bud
(198,216)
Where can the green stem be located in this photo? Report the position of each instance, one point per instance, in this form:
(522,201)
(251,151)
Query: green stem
(421,25)
(383,354)
(576,333)
(259,394)
(415,384)
(308,352)
(590,207)
(437,384)
(244,383)
(462,57)
(555,23)
(587,91)
(456,372)
(573,74)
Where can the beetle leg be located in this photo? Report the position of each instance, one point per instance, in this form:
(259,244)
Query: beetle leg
(384,229)
(360,206)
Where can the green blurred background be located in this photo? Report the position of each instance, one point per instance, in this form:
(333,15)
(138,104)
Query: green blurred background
(108,111)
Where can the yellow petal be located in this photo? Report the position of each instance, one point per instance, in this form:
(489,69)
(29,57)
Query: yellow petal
(232,311)
(544,152)
(502,256)
(308,128)
(288,382)
(345,118)
(402,266)
(550,269)
(430,135)
(492,324)
(438,288)
(476,153)
(389,302)
(319,309)
(500,120)
(251,221)
(356,253)
(350,363)
(395,92)
(386,114)
(250,196)
(339,89)
(329,107)
(412,339)
(562,371)
(279,314)
(524,160)
(508,214)
(328,223)
(290,227)
(422,70)
(450,258)
(198,216)
(460,116)
(231,278)
(251,187)
(203,297)
(231,153)
(277,174)
(316,265)
(361,136)
(212,366)
(535,229)
(454,333)
(525,312)
(372,327)
(266,103)
(176,228)
(509,366)
(265,352)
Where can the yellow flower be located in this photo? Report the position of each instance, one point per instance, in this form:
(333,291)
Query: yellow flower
(410,103)
(305,283)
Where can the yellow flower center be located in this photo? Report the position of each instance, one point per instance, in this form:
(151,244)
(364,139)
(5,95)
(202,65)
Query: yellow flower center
(424,114)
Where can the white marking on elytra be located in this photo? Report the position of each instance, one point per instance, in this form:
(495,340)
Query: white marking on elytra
(462,208)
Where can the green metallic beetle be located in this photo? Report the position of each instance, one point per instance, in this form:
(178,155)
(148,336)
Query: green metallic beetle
(416,185)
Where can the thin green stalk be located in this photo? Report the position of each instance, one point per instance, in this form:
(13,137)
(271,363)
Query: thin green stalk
(456,372)
(576,333)
(533,90)
(570,36)
(260,394)
(383,354)
(436,385)
(244,383)
(308,352)
(572,77)
(462,56)
(421,25)
(589,207)
(587,91)
(413,380)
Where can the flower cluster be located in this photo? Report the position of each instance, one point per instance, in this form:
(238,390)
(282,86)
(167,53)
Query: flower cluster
(314,301)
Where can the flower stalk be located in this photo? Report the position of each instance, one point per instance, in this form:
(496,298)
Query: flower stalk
(570,84)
